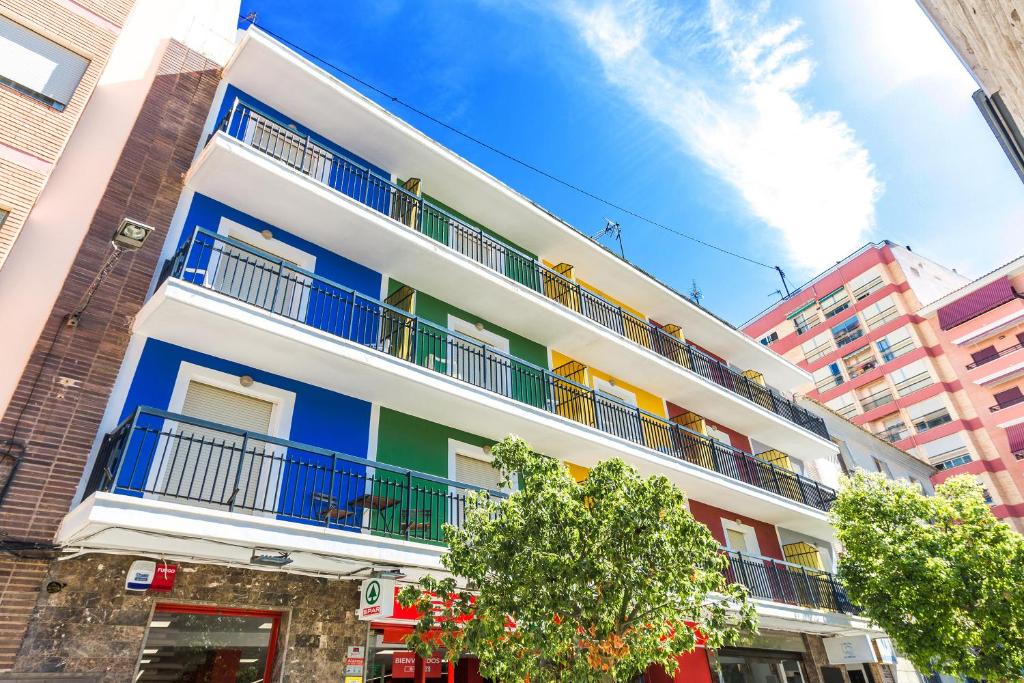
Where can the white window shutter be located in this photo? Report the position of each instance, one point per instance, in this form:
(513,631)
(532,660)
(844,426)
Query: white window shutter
(38,64)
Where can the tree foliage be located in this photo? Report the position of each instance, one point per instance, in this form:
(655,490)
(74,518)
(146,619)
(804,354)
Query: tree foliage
(940,574)
(600,578)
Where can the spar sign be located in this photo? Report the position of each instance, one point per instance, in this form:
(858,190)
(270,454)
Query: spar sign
(376,599)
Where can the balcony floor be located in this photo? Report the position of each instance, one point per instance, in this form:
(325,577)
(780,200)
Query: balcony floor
(251,336)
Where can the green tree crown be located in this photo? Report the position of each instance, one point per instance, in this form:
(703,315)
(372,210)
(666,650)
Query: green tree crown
(940,574)
(601,578)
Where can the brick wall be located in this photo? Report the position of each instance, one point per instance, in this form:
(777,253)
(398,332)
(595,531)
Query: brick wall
(33,128)
(94,628)
(60,399)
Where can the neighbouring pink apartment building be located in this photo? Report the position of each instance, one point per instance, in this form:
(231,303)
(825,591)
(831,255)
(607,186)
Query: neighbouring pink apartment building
(888,338)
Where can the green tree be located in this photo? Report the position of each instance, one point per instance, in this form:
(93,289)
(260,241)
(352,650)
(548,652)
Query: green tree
(601,578)
(940,574)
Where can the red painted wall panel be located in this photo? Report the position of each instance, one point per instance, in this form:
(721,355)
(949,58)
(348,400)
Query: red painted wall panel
(712,517)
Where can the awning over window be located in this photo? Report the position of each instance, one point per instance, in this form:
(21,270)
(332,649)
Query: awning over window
(1016,436)
(974,304)
(801,309)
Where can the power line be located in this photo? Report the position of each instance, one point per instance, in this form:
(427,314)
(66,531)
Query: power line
(251,18)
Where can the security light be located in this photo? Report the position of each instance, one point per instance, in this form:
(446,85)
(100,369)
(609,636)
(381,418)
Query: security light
(131,234)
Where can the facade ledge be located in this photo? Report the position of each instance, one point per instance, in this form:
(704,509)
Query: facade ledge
(108,522)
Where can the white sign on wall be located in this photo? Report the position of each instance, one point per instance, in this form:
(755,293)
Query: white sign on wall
(376,599)
(849,650)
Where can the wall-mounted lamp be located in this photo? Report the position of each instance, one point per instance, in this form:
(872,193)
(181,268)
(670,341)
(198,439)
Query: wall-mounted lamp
(245,381)
(267,234)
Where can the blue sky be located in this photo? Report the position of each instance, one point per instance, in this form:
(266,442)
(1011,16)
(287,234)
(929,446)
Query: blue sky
(791,131)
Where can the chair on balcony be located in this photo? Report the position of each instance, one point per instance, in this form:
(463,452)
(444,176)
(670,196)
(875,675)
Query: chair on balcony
(329,509)
(415,521)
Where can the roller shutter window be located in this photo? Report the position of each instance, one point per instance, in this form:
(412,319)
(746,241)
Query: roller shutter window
(203,464)
(470,470)
(38,67)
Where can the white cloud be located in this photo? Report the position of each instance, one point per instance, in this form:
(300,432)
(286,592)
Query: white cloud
(727,84)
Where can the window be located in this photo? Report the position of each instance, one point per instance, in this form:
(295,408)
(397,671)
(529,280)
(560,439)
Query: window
(879,313)
(816,348)
(827,377)
(740,537)
(865,284)
(38,67)
(473,465)
(882,467)
(847,331)
(895,344)
(834,303)
(929,413)
(198,643)
(911,377)
(953,462)
(770,339)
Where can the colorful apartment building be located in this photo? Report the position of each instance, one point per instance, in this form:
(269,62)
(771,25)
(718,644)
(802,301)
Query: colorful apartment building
(324,334)
(861,330)
(982,329)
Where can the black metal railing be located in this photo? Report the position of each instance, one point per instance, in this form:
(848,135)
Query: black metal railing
(932,420)
(182,459)
(303,154)
(877,399)
(245,273)
(785,582)
(894,433)
(988,359)
(911,384)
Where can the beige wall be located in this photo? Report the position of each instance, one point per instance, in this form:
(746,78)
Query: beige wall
(33,134)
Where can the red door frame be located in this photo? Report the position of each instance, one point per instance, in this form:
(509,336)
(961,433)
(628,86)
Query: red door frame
(215,611)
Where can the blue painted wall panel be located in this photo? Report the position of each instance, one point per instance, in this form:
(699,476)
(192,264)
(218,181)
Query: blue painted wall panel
(321,418)
(205,212)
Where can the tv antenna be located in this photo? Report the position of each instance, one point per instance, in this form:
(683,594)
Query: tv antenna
(696,293)
(615,230)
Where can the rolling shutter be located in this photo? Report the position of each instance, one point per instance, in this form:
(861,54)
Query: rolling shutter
(470,470)
(203,464)
(35,63)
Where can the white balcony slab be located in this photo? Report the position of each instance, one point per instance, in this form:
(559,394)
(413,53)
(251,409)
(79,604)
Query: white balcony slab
(232,172)
(313,97)
(119,523)
(200,319)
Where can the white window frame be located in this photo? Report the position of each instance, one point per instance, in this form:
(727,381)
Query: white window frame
(608,389)
(748,532)
(281,413)
(468,450)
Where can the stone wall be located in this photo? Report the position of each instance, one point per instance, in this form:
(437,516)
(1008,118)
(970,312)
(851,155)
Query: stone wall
(93,629)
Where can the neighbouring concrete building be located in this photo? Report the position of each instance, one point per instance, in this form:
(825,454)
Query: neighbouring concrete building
(988,36)
(982,328)
(861,329)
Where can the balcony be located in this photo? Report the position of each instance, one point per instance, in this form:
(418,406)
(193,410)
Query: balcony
(931,420)
(909,385)
(847,333)
(896,432)
(785,582)
(519,273)
(1008,402)
(339,113)
(242,273)
(890,353)
(876,399)
(995,356)
(174,458)
(167,458)
(876,320)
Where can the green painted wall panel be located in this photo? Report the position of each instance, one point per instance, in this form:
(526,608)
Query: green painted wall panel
(416,444)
